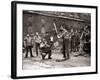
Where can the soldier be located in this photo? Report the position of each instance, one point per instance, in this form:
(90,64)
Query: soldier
(65,45)
(45,49)
(37,39)
(28,45)
(81,46)
(49,41)
(87,43)
(72,40)
(77,40)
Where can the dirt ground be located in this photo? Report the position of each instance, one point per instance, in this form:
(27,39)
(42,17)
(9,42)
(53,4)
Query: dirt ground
(37,62)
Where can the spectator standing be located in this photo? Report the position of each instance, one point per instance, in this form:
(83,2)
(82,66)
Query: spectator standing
(37,39)
(28,45)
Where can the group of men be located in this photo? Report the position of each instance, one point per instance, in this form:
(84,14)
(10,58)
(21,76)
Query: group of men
(42,45)
(71,42)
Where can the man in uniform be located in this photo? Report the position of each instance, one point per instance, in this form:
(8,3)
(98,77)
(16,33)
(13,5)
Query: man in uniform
(65,45)
(48,41)
(77,41)
(28,45)
(72,42)
(37,39)
(45,49)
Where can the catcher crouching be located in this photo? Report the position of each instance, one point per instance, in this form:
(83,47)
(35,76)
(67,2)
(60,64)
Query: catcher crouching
(45,49)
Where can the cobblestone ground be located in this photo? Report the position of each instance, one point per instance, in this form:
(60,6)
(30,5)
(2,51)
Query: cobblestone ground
(37,62)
